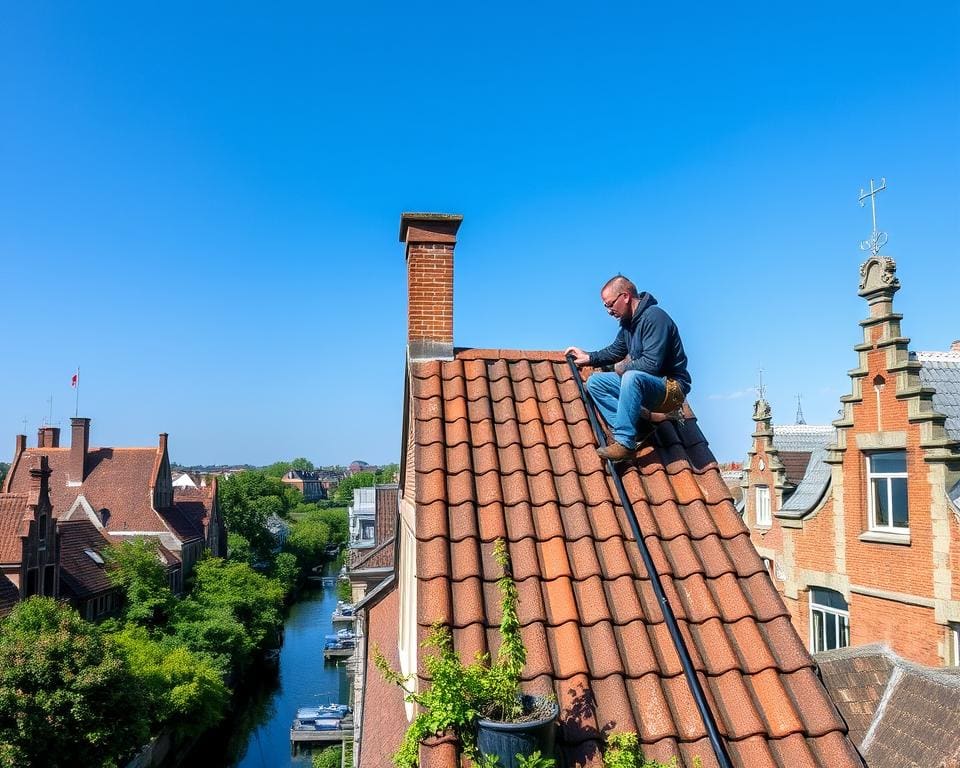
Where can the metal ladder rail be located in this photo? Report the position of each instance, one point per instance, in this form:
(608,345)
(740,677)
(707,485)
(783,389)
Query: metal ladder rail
(706,716)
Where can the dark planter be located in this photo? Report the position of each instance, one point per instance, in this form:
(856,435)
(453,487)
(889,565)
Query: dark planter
(507,740)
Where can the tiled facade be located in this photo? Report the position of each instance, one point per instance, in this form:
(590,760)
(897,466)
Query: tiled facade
(874,520)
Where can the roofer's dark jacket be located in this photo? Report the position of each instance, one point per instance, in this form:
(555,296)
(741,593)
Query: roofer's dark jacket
(651,339)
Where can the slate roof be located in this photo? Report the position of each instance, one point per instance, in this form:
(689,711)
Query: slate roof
(900,714)
(13,506)
(503,448)
(803,450)
(941,370)
(81,574)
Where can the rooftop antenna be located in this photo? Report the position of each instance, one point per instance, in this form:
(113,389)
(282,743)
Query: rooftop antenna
(877,239)
(761,390)
(50,418)
(800,419)
(25,420)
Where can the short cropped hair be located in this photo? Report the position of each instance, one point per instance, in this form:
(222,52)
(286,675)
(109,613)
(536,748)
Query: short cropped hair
(620,283)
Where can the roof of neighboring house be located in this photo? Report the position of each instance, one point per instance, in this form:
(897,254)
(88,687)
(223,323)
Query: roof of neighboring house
(382,555)
(900,714)
(941,370)
(80,572)
(118,479)
(803,450)
(195,505)
(13,506)
(504,448)
(9,595)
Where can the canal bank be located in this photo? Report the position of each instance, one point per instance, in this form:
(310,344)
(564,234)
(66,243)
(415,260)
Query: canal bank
(256,733)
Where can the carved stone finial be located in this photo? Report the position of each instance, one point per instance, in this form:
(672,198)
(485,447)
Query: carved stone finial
(878,275)
(761,410)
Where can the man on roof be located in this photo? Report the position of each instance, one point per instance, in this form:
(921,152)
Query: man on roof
(649,377)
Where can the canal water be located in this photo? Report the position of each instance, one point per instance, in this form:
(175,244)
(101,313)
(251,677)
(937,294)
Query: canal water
(257,734)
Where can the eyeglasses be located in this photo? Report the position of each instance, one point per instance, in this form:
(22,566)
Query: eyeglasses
(609,304)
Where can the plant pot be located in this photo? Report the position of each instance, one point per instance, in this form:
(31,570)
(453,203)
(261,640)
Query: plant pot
(507,740)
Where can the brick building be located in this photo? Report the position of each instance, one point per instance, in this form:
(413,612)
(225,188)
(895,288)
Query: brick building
(859,522)
(117,494)
(29,540)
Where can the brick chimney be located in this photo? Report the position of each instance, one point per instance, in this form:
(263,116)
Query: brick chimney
(955,347)
(20,446)
(79,447)
(48,437)
(430,239)
(39,477)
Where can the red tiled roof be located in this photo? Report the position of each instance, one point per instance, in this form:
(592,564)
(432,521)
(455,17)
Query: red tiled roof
(118,479)
(82,575)
(13,506)
(386,512)
(504,448)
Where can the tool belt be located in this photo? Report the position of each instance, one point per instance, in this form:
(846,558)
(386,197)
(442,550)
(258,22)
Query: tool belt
(673,399)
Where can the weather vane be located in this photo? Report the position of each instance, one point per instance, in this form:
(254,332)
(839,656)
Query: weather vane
(877,239)
(760,389)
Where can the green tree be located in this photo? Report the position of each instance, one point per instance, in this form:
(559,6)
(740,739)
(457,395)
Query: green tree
(4,468)
(67,696)
(307,540)
(327,758)
(184,690)
(388,474)
(135,567)
(302,464)
(337,521)
(277,469)
(286,571)
(344,492)
(227,595)
(247,499)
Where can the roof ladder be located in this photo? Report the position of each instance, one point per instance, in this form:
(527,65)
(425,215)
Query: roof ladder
(706,716)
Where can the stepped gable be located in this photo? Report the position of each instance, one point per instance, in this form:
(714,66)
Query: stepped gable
(503,448)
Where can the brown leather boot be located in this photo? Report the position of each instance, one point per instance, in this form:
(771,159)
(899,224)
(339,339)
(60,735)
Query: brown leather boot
(617,452)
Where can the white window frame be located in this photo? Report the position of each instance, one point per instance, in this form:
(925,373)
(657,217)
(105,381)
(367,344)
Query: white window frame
(761,505)
(888,476)
(842,620)
(954,644)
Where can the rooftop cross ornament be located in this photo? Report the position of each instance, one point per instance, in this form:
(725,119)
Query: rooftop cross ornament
(877,239)
(761,390)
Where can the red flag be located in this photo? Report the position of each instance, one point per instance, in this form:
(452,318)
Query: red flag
(75,380)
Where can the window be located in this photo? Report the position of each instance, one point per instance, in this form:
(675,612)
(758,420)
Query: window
(887,491)
(762,505)
(42,532)
(954,631)
(829,620)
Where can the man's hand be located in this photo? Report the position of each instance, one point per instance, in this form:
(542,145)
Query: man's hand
(580,358)
(621,367)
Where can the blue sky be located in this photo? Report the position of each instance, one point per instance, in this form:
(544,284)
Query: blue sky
(199,204)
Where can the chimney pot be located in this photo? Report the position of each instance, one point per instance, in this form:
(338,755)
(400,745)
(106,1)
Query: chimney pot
(430,240)
(20,446)
(955,347)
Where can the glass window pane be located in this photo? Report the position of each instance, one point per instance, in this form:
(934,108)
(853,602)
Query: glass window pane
(844,632)
(899,492)
(830,620)
(827,597)
(881,502)
(889,461)
(817,617)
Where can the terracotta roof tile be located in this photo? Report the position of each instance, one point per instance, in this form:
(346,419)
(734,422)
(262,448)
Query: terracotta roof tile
(504,448)
(13,506)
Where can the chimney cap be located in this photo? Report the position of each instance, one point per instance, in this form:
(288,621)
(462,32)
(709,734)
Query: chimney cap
(437,223)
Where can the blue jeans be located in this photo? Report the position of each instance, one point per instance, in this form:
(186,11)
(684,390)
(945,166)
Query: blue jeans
(620,398)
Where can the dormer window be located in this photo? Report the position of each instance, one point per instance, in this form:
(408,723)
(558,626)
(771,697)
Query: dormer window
(94,555)
(887,492)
